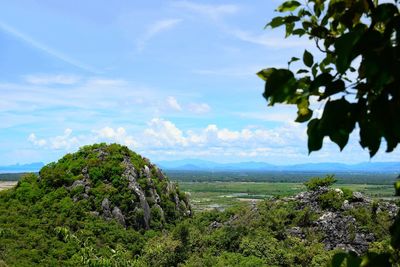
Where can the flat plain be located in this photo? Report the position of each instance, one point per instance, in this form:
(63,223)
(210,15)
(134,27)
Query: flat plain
(221,195)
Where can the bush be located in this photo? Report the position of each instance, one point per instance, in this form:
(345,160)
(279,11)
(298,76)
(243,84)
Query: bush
(331,200)
(315,183)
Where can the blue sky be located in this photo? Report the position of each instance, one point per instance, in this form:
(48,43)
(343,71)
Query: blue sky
(170,79)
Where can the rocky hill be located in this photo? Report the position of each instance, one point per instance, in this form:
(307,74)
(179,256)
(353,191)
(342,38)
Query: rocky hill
(345,221)
(116,183)
(108,206)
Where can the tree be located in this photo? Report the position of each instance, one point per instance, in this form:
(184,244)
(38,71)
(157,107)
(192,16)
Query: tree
(357,77)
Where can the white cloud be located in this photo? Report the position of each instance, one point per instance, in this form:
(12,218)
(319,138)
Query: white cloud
(61,142)
(162,139)
(173,103)
(65,141)
(40,46)
(37,142)
(156,28)
(118,135)
(166,135)
(199,108)
(214,12)
(268,40)
(163,133)
(45,79)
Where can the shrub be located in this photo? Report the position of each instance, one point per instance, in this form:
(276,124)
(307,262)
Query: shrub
(331,200)
(315,183)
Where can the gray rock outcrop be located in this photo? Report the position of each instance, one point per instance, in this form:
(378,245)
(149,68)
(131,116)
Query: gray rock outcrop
(340,230)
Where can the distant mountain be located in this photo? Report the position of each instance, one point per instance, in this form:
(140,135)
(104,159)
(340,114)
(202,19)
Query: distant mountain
(204,165)
(201,165)
(31,167)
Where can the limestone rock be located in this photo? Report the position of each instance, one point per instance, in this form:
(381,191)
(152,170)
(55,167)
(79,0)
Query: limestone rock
(117,214)
(339,229)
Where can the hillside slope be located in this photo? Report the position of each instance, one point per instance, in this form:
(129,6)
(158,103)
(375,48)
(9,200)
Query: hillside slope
(99,191)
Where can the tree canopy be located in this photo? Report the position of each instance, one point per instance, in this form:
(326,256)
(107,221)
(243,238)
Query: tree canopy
(355,72)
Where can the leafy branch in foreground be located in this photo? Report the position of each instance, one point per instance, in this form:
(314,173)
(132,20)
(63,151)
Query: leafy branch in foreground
(355,72)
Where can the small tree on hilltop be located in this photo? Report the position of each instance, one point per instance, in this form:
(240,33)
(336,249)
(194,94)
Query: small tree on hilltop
(316,183)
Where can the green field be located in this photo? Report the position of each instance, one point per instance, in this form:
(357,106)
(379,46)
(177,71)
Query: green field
(220,195)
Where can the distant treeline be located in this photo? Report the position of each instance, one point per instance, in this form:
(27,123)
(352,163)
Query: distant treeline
(11,176)
(291,177)
(259,176)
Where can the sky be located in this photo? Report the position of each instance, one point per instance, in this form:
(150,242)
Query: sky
(170,79)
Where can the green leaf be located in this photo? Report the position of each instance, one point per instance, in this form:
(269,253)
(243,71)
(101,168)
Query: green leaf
(314,70)
(395,233)
(376,259)
(338,121)
(302,71)
(353,260)
(340,137)
(265,73)
(304,113)
(370,136)
(293,59)
(308,59)
(289,6)
(321,80)
(291,19)
(344,46)
(280,86)
(397,187)
(289,29)
(276,22)
(333,88)
(338,259)
(385,12)
(299,32)
(315,138)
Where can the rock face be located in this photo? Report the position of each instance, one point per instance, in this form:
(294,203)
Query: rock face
(339,228)
(119,185)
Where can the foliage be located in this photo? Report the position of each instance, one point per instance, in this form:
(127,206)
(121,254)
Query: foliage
(46,228)
(332,200)
(316,183)
(355,72)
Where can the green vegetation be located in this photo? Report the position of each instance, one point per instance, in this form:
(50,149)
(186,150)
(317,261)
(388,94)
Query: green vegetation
(41,224)
(90,208)
(11,176)
(316,182)
(222,195)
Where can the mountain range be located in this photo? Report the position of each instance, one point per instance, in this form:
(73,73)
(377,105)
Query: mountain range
(30,167)
(203,165)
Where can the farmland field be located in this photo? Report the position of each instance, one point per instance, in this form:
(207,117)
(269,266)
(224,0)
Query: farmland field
(220,195)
